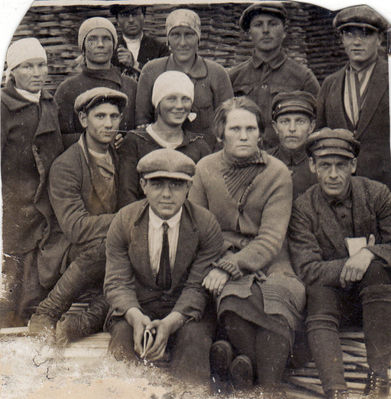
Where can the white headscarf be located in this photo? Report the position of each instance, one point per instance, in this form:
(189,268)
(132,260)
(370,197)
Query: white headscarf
(23,50)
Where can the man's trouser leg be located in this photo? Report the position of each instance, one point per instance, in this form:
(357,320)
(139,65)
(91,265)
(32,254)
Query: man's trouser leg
(376,302)
(87,268)
(121,344)
(322,326)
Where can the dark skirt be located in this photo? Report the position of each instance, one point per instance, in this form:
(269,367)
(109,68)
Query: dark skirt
(252,310)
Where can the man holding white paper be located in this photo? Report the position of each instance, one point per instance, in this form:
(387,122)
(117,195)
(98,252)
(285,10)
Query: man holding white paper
(340,244)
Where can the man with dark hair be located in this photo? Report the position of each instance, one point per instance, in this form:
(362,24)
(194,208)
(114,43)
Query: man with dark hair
(293,116)
(135,48)
(269,70)
(340,244)
(158,252)
(356,97)
(83,188)
(97,41)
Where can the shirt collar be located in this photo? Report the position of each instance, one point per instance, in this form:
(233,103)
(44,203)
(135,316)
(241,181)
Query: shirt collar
(32,97)
(274,63)
(197,71)
(292,157)
(157,221)
(346,201)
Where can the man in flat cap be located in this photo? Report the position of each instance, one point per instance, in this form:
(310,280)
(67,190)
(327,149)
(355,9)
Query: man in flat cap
(269,70)
(135,48)
(159,250)
(293,116)
(356,97)
(340,244)
(97,41)
(83,190)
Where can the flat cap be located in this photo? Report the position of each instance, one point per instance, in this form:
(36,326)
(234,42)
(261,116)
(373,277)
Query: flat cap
(274,8)
(361,16)
(116,9)
(89,98)
(166,163)
(332,142)
(293,101)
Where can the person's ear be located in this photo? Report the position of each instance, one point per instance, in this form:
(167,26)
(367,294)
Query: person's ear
(354,165)
(143,184)
(83,119)
(274,124)
(312,164)
(312,126)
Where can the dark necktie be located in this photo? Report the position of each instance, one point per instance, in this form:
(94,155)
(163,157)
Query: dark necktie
(163,278)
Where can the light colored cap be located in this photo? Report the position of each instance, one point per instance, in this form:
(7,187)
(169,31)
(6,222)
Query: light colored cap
(86,100)
(94,23)
(166,163)
(184,17)
(23,50)
(171,82)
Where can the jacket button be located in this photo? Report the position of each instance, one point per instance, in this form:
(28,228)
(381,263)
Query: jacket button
(264,86)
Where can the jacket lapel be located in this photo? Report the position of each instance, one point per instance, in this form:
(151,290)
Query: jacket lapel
(187,245)
(377,85)
(361,216)
(338,111)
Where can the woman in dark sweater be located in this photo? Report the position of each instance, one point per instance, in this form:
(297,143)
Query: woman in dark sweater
(172,97)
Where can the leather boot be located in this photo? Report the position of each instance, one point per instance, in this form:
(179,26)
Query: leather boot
(376,387)
(59,300)
(220,358)
(73,326)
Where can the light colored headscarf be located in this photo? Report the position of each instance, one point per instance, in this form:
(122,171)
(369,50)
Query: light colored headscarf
(94,23)
(184,17)
(23,50)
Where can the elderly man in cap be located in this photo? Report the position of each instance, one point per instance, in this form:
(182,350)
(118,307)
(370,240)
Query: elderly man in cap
(293,116)
(135,48)
(83,188)
(158,252)
(97,41)
(211,82)
(269,70)
(340,244)
(356,97)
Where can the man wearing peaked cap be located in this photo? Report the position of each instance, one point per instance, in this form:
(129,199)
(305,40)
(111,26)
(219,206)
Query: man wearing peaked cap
(340,245)
(83,191)
(158,251)
(269,69)
(357,96)
(293,116)
(97,40)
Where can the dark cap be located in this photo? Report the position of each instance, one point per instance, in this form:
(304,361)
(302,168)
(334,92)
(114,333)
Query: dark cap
(332,142)
(116,9)
(274,8)
(96,95)
(293,101)
(166,163)
(361,16)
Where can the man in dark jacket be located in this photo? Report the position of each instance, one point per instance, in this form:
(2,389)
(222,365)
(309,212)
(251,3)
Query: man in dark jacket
(158,252)
(135,48)
(269,70)
(340,244)
(83,187)
(356,96)
(97,40)
(293,120)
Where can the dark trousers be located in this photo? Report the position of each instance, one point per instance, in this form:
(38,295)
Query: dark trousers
(187,351)
(22,290)
(368,301)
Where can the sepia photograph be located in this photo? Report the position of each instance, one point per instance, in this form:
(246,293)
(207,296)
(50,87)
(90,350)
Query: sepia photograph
(195,200)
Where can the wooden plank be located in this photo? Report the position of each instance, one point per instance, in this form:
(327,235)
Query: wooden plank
(14,331)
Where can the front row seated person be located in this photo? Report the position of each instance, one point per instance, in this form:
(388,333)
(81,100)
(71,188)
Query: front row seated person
(83,187)
(260,299)
(159,250)
(172,98)
(340,244)
(293,115)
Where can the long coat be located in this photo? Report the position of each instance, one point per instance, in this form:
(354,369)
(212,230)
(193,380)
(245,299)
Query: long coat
(30,141)
(129,280)
(373,129)
(211,87)
(316,241)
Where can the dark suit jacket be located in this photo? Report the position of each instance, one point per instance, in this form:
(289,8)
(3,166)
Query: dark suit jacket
(150,49)
(129,280)
(373,130)
(316,241)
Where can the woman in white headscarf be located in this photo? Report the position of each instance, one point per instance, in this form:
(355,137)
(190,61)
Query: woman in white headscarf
(30,141)
(172,98)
